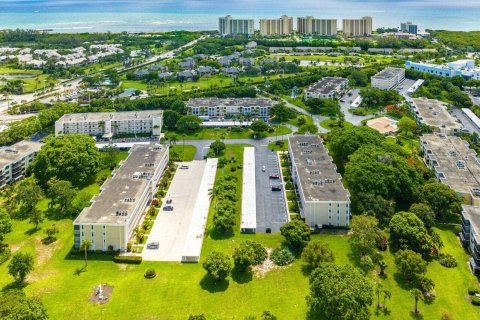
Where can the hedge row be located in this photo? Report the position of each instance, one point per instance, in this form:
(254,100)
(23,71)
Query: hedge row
(127,259)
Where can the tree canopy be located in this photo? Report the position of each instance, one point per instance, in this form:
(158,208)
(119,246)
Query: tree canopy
(345,141)
(296,232)
(218,265)
(316,253)
(72,157)
(444,201)
(340,292)
(16,306)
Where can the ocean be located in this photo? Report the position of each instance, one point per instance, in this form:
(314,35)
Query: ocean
(167,15)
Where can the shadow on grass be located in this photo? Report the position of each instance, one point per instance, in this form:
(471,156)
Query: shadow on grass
(31,231)
(242,276)
(16,285)
(215,235)
(79,271)
(48,240)
(209,284)
(416,316)
(402,282)
(382,311)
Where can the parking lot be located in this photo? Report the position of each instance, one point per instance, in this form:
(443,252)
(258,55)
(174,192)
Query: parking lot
(345,103)
(171,228)
(271,205)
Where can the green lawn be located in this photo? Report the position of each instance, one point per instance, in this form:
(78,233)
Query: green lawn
(219,133)
(33,78)
(184,152)
(281,145)
(332,124)
(182,289)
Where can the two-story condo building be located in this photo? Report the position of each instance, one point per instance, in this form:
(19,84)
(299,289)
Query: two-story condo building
(470,235)
(15,159)
(221,108)
(327,88)
(434,114)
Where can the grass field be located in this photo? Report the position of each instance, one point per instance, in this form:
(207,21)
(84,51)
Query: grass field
(184,152)
(33,78)
(182,289)
(217,133)
(332,124)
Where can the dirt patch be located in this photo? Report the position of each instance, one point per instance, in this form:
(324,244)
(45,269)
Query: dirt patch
(262,269)
(101,294)
(44,252)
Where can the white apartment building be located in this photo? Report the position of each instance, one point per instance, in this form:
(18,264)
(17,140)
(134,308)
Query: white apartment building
(108,124)
(388,78)
(282,26)
(454,164)
(434,114)
(113,215)
(357,27)
(14,160)
(227,26)
(322,27)
(220,108)
(323,199)
(326,88)
(463,68)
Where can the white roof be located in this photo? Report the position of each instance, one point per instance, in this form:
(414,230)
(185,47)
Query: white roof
(472,116)
(249,208)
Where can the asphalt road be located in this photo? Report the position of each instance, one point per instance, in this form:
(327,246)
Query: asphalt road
(271,205)
(345,107)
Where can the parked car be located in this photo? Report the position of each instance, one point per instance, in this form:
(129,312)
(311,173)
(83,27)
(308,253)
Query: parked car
(274,176)
(153,245)
(264,169)
(168,208)
(183,166)
(277,188)
(169,201)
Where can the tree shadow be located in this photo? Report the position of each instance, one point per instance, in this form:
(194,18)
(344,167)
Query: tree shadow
(306,270)
(209,284)
(48,240)
(31,231)
(402,282)
(16,285)
(79,271)
(215,235)
(76,255)
(382,311)
(416,316)
(242,276)
(55,214)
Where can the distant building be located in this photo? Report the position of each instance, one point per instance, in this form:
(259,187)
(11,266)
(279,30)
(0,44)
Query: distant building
(246,62)
(454,164)
(107,124)
(323,199)
(219,108)
(15,159)
(470,235)
(462,68)
(434,114)
(321,27)
(327,88)
(113,215)
(380,50)
(357,27)
(228,26)
(251,45)
(409,27)
(388,78)
(282,26)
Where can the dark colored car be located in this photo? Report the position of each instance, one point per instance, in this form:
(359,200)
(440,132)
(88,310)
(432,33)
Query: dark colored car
(274,176)
(277,188)
(168,208)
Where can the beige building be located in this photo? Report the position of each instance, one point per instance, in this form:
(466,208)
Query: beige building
(434,114)
(454,164)
(322,27)
(327,88)
(108,124)
(228,26)
(384,125)
(282,26)
(14,161)
(357,27)
(112,216)
(220,108)
(323,199)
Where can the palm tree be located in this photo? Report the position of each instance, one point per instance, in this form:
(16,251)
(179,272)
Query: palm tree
(85,246)
(417,295)
(378,291)
(386,295)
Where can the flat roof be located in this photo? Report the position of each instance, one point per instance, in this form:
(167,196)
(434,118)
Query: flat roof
(120,194)
(17,152)
(383,125)
(249,202)
(434,113)
(113,116)
(326,85)
(230,102)
(472,213)
(388,73)
(318,175)
(458,163)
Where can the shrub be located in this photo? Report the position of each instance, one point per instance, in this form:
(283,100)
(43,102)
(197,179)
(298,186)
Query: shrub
(127,259)
(233,168)
(5,254)
(150,274)
(447,260)
(282,256)
(260,252)
(476,301)
(473,291)
(129,247)
(446,315)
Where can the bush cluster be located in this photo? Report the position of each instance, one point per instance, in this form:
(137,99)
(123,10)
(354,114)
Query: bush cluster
(282,256)
(150,274)
(226,196)
(127,259)
(473,291)
(447,260)
(5,254)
